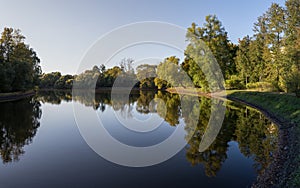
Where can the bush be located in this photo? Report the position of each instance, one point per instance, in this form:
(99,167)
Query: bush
(262,86)
(293,82)
(234,83)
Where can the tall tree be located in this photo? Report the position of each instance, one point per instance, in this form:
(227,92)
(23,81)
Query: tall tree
(276,25)
(259,52)
(20,67)
(215,38)
(243,61)
(292,46)
(292,37)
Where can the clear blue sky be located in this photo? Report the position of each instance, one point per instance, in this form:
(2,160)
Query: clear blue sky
(61,31)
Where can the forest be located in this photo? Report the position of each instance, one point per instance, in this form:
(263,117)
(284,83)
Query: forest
(269,60)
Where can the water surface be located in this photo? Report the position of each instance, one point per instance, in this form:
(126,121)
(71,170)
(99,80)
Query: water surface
(41,146)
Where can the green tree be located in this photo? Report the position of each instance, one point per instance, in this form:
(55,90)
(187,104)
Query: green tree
(146,74)
(258,50)
(215,37)
(276,24)
(87,79)
(48,80)
(292,34)
(171,74)
(20,68)
(293,81)
(292,45)
(64,82)
(110,75)
(209,44)
(243,62)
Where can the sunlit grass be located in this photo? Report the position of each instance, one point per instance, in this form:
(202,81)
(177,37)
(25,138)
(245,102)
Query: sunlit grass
(285,107)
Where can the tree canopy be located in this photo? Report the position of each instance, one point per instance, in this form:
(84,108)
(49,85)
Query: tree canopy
(19,64)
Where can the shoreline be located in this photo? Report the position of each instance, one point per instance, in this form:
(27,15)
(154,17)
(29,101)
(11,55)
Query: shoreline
(282,172)
(277,173)
(13,96)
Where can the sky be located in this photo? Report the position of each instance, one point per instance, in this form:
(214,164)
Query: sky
(61,32)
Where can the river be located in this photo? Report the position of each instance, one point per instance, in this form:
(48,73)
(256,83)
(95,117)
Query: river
(42,146)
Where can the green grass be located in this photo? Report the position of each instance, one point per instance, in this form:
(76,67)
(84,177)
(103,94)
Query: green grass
(286,108)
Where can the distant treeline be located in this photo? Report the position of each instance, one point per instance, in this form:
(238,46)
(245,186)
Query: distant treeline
(144,76)
(268,60)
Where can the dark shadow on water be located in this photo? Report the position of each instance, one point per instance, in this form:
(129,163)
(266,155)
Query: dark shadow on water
(19,121)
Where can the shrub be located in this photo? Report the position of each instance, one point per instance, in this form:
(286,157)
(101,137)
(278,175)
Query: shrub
(262,86)
(234,83)
(293,82)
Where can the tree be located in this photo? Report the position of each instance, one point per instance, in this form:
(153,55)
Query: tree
(110,75)
(146,74)
(215,37)
(243,62)
(292,45)
(48,80)
(127,77)
(170,74)
(266,50)
(293,81)
(20,68)
(64,82)
(258,50)
(292,33)
(207,44)
(88,79)
(127,65)
(275,17)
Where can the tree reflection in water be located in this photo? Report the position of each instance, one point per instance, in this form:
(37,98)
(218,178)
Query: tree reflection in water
(19,121)
(255,134)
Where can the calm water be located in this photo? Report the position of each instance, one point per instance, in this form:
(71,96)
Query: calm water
(41,146)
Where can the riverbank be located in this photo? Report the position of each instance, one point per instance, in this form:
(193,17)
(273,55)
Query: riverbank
(4,97)
(284,110)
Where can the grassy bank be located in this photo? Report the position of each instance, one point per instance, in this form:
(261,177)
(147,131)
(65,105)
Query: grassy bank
(285,110)
(283,107)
